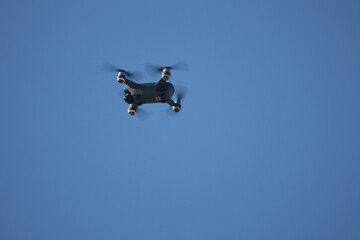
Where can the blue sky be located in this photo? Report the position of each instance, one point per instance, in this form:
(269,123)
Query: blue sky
(266,145)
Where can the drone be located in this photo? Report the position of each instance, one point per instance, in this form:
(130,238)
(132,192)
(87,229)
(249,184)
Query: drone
(137,94)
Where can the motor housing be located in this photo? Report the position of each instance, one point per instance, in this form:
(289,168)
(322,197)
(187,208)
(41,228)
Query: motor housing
(121,77)
(166,74)
(177,106)
(132,109)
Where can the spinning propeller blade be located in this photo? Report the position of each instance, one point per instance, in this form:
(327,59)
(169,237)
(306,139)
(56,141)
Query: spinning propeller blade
(180,92)
(111,68)
(155,69)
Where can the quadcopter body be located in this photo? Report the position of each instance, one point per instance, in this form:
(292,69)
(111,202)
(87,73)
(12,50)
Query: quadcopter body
(137,94)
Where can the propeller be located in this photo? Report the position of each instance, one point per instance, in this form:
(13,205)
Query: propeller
(180,92)
(111,68)
(155,69)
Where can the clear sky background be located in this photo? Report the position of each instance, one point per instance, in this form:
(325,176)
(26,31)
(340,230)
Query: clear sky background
(267,145)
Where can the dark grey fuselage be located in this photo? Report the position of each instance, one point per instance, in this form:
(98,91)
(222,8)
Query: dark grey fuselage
(148,93)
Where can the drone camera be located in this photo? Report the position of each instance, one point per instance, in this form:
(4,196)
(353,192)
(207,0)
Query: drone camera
(127,97)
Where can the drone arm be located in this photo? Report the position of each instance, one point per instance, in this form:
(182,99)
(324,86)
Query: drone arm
(160,83)
(164,77)
(127,82)
(176,106)
(171,102)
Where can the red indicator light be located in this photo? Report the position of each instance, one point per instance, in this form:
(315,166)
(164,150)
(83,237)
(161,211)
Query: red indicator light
(132,112)
(121,80)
